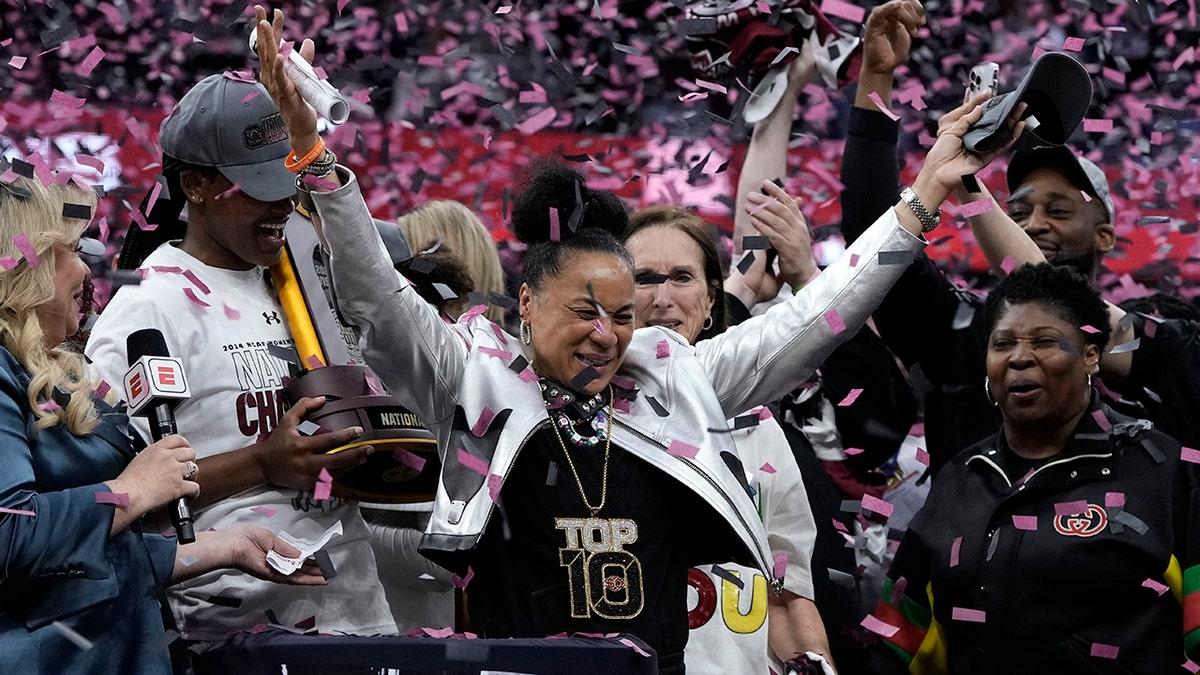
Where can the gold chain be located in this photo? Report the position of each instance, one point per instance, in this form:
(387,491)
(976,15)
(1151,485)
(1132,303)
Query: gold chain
(604,474)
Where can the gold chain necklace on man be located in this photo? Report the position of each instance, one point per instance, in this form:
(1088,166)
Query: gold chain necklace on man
(604,473)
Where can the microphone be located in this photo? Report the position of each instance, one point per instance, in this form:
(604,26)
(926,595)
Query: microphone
(317,92)
(154,385)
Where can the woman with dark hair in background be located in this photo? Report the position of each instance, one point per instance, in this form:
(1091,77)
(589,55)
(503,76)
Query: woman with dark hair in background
(1066,542)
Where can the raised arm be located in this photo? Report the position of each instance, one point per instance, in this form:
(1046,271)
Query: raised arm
(404,341)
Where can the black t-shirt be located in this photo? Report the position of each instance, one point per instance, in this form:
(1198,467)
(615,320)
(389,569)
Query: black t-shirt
(546,566)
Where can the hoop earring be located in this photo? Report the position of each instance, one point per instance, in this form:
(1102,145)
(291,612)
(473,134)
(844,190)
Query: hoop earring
(708,322)
(987,391)
(526,333)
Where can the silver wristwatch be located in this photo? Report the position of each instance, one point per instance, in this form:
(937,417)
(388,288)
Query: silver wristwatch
(929,221)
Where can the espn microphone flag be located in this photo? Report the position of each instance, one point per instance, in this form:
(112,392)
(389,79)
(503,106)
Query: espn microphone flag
(154,385)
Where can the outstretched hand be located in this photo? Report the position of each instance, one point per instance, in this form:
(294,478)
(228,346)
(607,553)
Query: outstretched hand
(298,115)
(888,35)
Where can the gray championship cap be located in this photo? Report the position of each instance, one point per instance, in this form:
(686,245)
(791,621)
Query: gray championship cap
(1080,171)
(228,122)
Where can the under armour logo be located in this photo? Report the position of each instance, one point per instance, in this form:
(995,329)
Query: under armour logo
(271,318)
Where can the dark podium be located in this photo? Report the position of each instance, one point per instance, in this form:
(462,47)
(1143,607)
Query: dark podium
(278,652)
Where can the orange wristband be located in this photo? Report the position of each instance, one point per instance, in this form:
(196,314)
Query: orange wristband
(296,165)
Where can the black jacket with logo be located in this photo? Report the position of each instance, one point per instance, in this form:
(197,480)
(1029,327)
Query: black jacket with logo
(1078,568)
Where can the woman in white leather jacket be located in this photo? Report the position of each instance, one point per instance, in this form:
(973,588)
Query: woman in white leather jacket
(562,545)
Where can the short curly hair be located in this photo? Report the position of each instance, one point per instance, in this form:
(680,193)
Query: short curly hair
(1060,291)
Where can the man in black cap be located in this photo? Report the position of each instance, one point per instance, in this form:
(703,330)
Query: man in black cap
(1061,211)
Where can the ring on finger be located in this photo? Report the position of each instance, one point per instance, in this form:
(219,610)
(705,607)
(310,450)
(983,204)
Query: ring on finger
(192,470)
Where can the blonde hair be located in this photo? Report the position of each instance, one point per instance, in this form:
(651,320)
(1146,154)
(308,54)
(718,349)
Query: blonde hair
(465,236)
(24,288)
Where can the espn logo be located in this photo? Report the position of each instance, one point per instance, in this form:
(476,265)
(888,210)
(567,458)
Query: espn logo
(154,377)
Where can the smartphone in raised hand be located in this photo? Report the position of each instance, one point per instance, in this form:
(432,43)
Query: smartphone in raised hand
(984,77)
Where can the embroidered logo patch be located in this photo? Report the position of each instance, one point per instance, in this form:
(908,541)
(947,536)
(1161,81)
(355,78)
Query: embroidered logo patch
(1086,524)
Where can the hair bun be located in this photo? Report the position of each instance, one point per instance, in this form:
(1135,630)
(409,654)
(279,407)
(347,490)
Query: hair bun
(553,185)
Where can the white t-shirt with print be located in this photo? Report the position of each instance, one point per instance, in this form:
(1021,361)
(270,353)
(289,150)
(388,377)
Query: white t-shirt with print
(237,395)
(729,633)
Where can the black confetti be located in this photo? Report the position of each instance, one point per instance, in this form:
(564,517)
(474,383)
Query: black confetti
(421,266)
(519,364)
(577,158)
(755,243)
(77,211)
(552,475)
(584,376)
(444,291)
(22,168)
(650,278)
(658,407)
(284,353)
(323,561)
(502,300)
(746,262)
(725,574)
(704,26)
(1132,522)
(971,183)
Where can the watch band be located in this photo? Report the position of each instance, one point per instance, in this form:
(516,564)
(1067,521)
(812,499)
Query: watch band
(929,220)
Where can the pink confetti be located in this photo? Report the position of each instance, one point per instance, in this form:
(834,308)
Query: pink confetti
(662,349)
(66,100)
(191,295)
(313,362)
(498,353)
(536,95)
(528,375)
(1101,420)
(481,425)
(1150,328)
(854,260)
(8,264)
(19,512)
(877,505)
(409,459)
(850,397)
(681,449)
(114,498)
(781,561)
(1028,523)
(835,321)
(633,645)
(954,549)
(1189,455)
(1103,651)
(1156,586)
(1098,126)
(1113,500)
(978,207)
(342,5)
(555,227)
(764,413)
(461,582)
(850,452)
(883,107)
(766,468)
(191,276)
(17,62)
(472,462)
(323,486)
(1072,44)
(231,313)
(537,122)
(494,482)
(922,456)
(763,205)
(1191,666)
(1089,329)
(1071,508)
(504,10)
(103,388)
(265,511)
(89,63)
(878,626)
(26,249)
(845,10)
(971,615)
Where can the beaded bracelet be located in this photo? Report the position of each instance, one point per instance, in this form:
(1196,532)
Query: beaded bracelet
(297,164)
